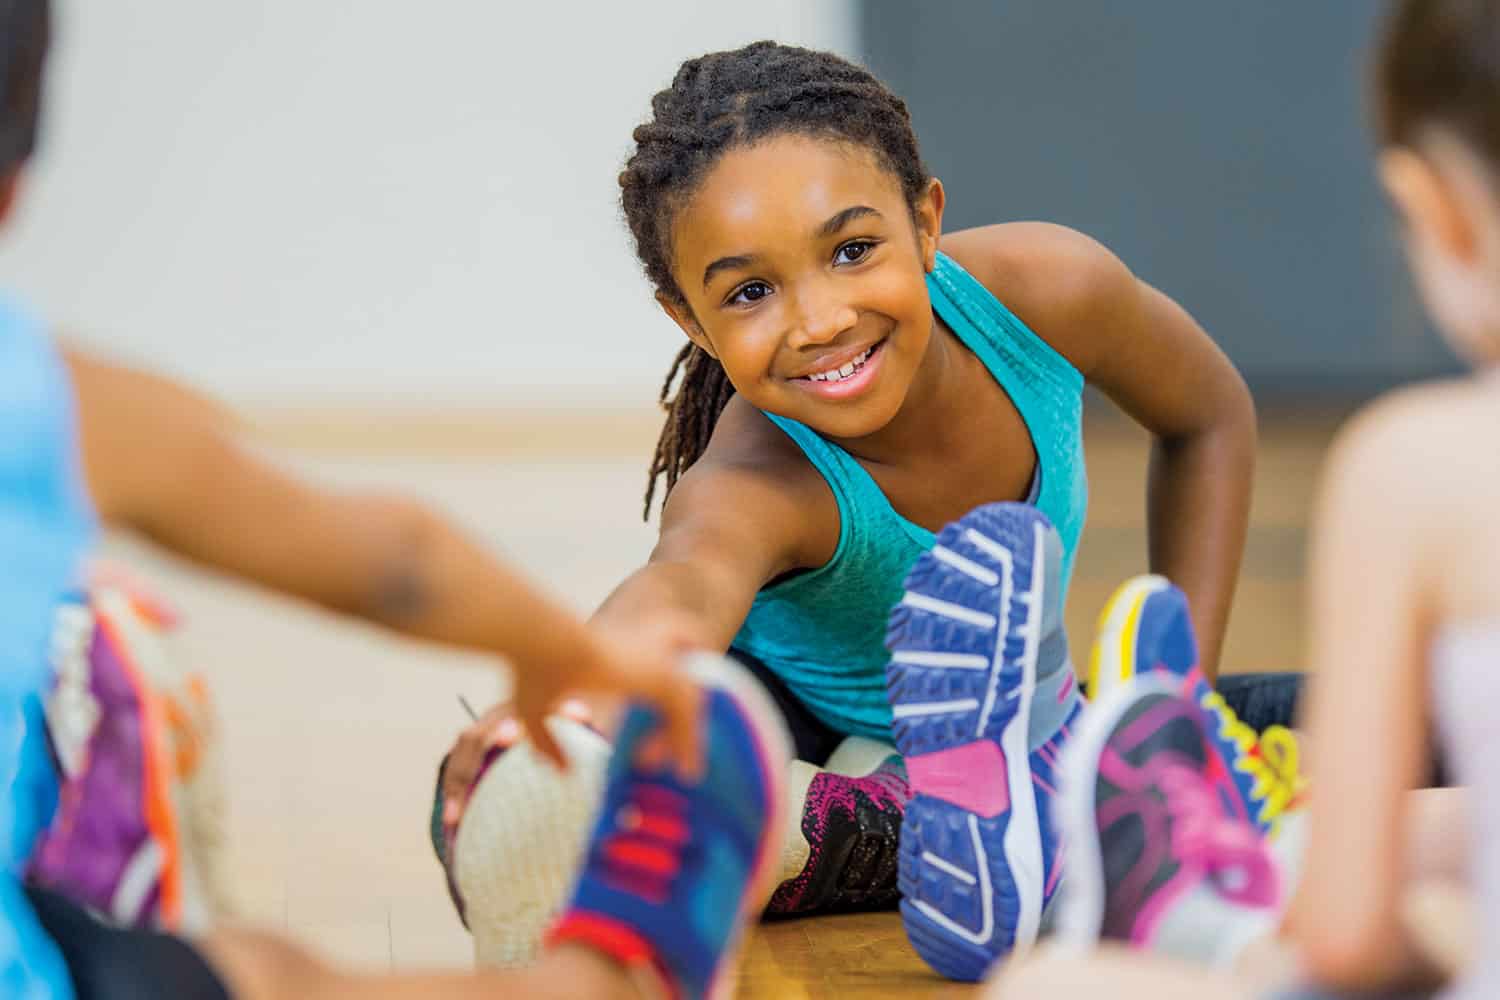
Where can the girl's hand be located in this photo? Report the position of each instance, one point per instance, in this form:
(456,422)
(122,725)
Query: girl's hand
(497,729)
(638,663)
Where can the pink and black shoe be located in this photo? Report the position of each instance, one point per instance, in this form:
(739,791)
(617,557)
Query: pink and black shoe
(843,856)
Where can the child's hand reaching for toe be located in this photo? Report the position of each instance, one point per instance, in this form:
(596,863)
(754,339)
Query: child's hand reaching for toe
(639,663)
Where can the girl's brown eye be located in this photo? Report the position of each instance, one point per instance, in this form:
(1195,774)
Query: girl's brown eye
(853,253)
(753,292)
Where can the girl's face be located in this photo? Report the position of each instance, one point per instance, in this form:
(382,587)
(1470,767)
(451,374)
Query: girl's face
(803,274)
(1449,206)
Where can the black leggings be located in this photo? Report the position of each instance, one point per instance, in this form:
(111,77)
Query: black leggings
(1260,700)
(111,963)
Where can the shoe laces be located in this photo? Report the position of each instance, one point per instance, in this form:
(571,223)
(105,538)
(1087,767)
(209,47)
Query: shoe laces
(1272,759)
(1229,852)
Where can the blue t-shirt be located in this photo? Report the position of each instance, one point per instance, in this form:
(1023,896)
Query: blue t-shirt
(47,526)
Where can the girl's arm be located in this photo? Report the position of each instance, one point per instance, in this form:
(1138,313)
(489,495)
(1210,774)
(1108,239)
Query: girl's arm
(1148,355)
(1163,370)
(727,529)
(165,462)
(1372,578)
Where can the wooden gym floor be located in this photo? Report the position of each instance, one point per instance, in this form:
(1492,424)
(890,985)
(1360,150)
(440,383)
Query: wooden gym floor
(333,731)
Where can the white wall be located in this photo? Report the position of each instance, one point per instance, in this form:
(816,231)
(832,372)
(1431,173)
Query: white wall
(295,200)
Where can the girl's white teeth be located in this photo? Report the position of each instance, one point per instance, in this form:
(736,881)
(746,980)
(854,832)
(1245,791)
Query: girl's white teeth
(842,373)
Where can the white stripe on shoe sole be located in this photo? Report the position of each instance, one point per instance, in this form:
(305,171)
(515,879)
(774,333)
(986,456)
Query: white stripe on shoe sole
(997,662)
(947,609)
(966,878)
(986,899)
(967,567)
(934,658)
(1023,833)
(991,547)
(934,707)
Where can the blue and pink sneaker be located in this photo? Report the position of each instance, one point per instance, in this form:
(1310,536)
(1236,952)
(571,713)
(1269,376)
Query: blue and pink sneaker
(983,695)
(674,871)
(1163,857)
(1145,628)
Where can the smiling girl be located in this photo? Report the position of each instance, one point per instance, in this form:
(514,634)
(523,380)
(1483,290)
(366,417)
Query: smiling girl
(854,380)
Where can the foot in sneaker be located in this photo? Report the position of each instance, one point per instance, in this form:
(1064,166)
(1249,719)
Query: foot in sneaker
(982,693)
(673,871)
(1145,628)
(842,857)
(136,833)
(514,854)
(1162,858)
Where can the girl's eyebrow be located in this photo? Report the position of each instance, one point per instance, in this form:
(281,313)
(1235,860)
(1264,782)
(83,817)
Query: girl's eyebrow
(834,224)
(845,217)
(726,264)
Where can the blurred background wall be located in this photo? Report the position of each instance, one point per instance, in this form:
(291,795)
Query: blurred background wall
(294,200)
(318,202)
(1220,148)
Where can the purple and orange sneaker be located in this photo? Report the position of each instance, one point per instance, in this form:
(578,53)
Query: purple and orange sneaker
(1145,628)
(1163,857)
(138,825)
(983,695)
(674,871)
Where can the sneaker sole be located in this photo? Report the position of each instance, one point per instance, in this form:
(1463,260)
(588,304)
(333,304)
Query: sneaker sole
(520,842)
(1081,906)
(972,611)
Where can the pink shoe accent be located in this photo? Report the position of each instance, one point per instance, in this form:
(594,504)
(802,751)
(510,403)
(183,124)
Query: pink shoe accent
(972,777)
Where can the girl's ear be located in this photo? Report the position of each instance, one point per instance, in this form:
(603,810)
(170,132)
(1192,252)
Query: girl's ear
(928,213)
(682,315)
(1429,203)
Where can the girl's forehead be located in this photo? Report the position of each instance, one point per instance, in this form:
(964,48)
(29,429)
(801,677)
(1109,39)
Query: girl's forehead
(782,188)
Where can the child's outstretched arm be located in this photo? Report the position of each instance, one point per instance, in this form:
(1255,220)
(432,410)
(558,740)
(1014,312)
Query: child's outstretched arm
(726,530)
(165,462)
(1377,566)
(1158,365)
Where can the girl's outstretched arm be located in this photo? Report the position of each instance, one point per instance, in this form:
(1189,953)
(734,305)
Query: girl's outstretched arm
(727,528)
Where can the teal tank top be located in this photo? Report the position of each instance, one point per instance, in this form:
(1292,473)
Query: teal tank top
(823,631)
